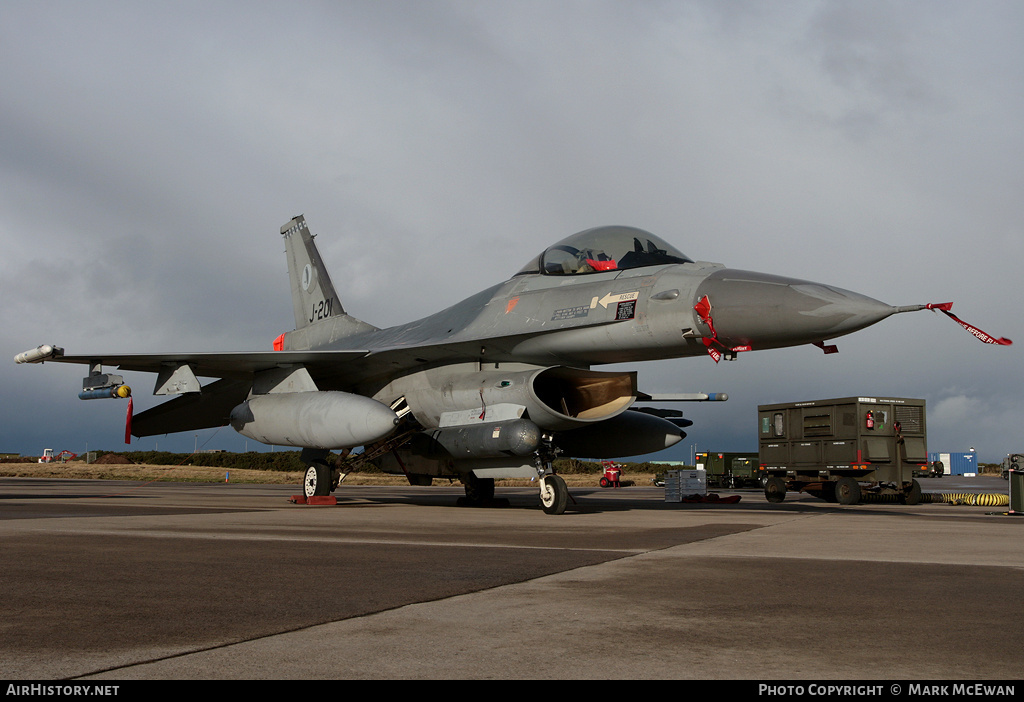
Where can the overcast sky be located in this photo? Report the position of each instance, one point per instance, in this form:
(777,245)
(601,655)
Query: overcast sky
(150,152)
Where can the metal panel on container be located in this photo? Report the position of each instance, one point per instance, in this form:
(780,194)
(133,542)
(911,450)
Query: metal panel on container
(775,454)
(876,450)
(963,463)
(840,452)
(914,449)
(807,452)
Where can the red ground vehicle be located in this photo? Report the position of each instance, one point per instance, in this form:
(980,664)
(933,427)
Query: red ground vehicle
(612,471)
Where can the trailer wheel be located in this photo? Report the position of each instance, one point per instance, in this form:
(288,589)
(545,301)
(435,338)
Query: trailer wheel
(847,491)
(912,495)
(775,489)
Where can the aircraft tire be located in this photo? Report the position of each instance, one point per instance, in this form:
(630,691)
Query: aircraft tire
(478,489)
(554,494)
(317,482)
(847,491)
(774,489)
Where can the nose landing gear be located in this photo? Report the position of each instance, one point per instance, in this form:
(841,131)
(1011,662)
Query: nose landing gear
(554,494)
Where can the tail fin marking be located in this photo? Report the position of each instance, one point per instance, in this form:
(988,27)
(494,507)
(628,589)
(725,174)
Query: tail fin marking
(313,296)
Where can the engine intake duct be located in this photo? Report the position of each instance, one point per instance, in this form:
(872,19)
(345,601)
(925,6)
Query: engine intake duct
(583,395)
(554,398)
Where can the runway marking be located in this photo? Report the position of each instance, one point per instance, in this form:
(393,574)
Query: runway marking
(211,536)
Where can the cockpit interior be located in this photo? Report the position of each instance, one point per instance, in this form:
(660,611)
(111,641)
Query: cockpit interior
(604,249)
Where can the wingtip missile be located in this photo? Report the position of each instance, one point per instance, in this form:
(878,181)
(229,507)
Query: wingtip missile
(39,354)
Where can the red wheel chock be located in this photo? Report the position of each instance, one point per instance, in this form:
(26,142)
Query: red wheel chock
(315,500)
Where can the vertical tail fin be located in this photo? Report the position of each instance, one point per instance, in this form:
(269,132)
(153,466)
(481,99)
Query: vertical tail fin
(313,295)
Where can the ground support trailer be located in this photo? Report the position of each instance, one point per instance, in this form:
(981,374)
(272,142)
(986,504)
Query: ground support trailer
(840,449)
(1011,462)
(730,470)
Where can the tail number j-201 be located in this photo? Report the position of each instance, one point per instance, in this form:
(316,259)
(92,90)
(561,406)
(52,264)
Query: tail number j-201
(321,310)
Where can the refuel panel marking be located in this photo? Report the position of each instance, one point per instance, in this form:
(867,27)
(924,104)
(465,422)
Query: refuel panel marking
(571,313)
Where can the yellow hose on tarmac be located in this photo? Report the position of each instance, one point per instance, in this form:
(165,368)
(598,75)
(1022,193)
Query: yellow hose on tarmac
(876,498)
(982,499)
(975,499)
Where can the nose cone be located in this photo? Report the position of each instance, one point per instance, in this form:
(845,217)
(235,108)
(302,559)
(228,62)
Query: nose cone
(765,311)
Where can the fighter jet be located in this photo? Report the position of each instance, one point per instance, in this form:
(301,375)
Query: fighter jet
(498,385)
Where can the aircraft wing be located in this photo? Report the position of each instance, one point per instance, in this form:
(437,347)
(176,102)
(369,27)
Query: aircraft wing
(211,365)
(330,368)
(195,410)
(199,407)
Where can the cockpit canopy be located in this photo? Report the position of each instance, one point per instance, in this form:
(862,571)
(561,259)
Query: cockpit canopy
(604,249)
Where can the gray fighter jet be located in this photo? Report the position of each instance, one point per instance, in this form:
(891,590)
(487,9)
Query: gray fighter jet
(497,385)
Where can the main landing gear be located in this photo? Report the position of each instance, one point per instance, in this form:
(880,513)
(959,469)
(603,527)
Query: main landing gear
(479,492)
(321,479)
(554,494)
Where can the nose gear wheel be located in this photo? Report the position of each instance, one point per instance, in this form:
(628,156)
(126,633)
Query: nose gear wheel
(554,494)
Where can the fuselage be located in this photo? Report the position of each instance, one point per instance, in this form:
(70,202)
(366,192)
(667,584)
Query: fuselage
(622,316)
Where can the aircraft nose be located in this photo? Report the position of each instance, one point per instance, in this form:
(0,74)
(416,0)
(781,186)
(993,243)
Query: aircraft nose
(764,311)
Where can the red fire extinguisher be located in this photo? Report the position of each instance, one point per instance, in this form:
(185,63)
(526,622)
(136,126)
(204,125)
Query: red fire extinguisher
(870,421)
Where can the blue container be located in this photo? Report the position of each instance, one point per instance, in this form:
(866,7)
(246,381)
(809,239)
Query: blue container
(956,463)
